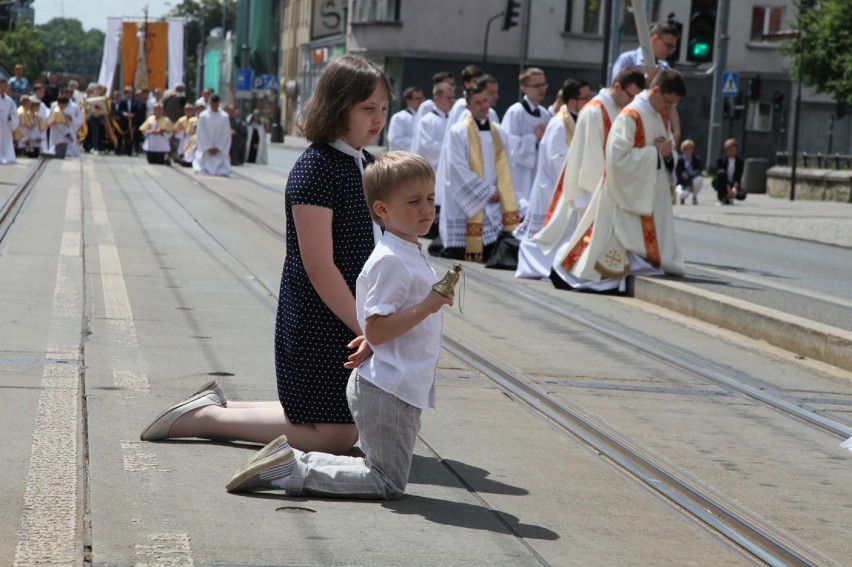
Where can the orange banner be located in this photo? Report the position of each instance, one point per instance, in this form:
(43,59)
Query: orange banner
(156,52)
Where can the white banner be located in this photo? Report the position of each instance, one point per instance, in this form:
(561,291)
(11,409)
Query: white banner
(112,43)
(175,51)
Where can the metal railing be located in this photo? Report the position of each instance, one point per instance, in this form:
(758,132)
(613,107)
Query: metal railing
(819,160)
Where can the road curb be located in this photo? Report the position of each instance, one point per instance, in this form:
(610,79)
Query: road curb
(798,335)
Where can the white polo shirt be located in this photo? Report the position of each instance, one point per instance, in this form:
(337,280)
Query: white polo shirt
(396,276)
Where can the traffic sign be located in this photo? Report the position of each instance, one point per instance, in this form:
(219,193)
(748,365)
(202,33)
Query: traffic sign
(730,83)
(245,79)
(266,82)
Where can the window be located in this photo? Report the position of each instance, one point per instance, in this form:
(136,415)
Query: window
(592,17)
(759,116)
(376,11)
(569,13)
(765,19)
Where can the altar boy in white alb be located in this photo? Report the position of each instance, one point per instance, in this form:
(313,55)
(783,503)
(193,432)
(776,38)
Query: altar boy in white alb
(633,227)
(479,198)
(558,137)
(213,139)
(525,122)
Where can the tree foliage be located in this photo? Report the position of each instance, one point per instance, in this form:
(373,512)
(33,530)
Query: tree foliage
(60,45)
(24,45)
(826,62)
(202,15)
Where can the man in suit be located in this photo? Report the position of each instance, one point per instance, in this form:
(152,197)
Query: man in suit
(129,111)
(729,173)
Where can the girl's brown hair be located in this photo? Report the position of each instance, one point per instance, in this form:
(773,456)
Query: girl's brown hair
(345,81)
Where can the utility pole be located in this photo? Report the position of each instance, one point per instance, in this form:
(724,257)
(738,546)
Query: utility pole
(719,64)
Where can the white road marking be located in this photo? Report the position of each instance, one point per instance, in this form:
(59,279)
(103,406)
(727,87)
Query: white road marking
(50,522)
(165,550)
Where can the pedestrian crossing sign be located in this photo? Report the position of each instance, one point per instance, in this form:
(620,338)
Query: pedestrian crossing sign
(730,83)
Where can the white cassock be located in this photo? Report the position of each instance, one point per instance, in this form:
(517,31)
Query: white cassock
(532,261)
(520,122)
(428,141)
(44,112)
(401,131)
(628,227)
(583,169)
(213,131)
(425,107)
(8,124)
(466,193)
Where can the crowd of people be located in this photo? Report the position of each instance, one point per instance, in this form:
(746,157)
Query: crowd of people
(46,118)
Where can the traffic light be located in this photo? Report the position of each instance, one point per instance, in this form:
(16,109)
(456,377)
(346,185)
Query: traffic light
(702,31)
(510,15)
(777,101)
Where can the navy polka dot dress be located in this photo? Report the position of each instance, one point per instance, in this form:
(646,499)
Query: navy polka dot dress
(310,341)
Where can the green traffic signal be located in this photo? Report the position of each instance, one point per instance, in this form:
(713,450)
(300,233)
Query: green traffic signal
(699,51)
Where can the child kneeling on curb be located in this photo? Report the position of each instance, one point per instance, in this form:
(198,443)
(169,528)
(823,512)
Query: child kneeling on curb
(400,315)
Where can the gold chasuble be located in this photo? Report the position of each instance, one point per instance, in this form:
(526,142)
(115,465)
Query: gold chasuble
(505,187)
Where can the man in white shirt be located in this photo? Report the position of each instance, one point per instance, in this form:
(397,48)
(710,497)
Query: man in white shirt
(212,155)
(401,126)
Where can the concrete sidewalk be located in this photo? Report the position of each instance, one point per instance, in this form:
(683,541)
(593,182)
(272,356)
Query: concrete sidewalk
(814,221)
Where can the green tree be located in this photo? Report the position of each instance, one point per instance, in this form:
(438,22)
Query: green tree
(206,13)
(24,45)
(827,57)
(72,51)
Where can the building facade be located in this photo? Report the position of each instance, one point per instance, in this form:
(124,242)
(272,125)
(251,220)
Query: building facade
(412,40)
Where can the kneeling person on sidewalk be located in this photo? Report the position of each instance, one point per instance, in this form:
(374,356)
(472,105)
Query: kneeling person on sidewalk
(400,315)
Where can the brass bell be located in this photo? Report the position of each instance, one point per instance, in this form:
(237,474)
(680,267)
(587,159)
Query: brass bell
(446,286)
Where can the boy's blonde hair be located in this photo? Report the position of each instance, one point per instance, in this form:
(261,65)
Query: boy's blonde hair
(392,171)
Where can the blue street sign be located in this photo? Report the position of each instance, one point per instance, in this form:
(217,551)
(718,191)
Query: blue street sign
(266,82)
(730,83)
(245,79)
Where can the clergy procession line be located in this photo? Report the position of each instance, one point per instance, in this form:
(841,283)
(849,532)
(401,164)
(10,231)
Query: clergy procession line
(61,121)
(580,192)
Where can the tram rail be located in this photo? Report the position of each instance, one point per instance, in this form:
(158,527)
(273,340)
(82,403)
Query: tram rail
(14,202)
(736,526)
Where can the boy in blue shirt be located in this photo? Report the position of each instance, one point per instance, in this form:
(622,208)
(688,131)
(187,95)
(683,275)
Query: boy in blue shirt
(400,315)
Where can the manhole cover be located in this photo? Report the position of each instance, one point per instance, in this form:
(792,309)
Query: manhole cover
(295,510)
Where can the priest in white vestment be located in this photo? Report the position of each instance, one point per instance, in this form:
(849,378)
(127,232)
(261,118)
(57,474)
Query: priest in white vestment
(60,126)
(525,122)
(479,201)
(8,124)
(632,227)
(213,141)
(580,175)
(532,262)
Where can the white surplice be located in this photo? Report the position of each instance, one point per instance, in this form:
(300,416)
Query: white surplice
(157,143)
(584,167)
(520,122)
(213,131)
(8,124)
(632,231)
(532,261)
(466,193)
(401,130)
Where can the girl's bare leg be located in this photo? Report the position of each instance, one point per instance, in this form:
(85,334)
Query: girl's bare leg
(261,422)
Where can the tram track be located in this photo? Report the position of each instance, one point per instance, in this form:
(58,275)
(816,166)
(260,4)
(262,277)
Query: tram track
(691,363)
(14,202)
(745,531)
